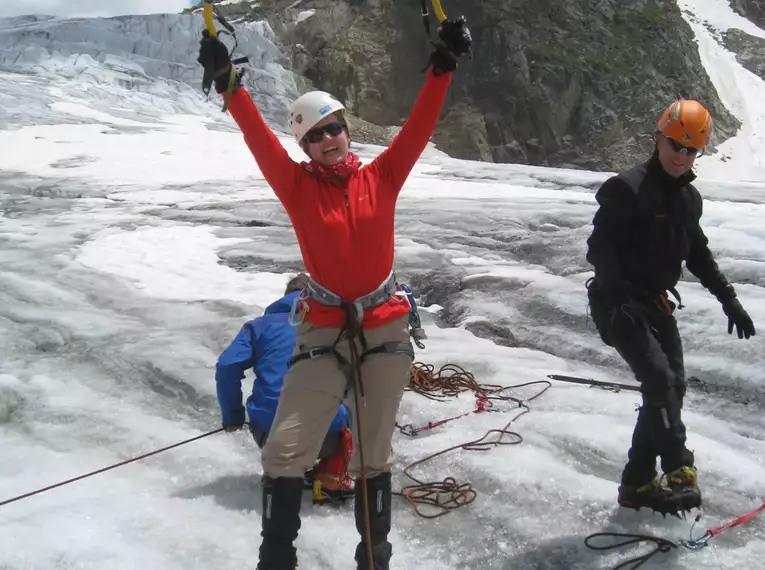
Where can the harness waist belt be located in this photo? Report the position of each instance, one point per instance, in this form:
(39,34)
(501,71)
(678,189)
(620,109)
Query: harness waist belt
(316,292)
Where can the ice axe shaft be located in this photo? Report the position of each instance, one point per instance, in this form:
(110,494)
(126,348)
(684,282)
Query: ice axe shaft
(590,382)
(207,11)
(438,10)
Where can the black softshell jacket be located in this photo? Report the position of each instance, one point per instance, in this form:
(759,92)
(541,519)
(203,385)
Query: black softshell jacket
(647,225)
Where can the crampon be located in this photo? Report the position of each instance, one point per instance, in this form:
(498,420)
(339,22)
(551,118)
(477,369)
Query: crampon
(665,500)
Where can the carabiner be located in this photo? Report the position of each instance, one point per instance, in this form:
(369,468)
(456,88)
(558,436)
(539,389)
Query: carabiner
(697,543)
(299,308)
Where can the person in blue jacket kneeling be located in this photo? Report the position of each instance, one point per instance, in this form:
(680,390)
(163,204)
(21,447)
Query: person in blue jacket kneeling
(266,345)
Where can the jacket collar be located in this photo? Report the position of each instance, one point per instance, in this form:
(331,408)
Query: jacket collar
(657,172)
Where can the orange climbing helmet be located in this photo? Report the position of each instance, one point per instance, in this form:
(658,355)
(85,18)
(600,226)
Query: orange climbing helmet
(688,123)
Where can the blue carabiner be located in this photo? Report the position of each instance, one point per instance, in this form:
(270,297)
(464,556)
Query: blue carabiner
(697,543)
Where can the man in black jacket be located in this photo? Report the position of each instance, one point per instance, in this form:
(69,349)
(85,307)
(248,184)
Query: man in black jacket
(647,224)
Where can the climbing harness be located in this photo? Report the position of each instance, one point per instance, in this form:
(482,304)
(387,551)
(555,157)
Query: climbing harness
(662,544)
(354,316)
(352,330)
(613,386)
(676,295)
(120,464)
(387,289)
(352,327)
(211,13)
(664,305)
(314,291)
(443,497)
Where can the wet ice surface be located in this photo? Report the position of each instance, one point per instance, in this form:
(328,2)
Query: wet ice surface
(118,297)
(130,256)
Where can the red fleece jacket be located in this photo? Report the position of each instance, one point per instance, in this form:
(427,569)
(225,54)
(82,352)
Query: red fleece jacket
(345,229)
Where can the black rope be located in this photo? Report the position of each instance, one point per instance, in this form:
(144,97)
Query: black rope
(662,545)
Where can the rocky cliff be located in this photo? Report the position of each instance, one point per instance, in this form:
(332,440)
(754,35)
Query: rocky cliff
(752,9)
(577,83)
(749,50)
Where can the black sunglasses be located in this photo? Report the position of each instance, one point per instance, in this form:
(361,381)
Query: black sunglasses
(689,150)
(316,135)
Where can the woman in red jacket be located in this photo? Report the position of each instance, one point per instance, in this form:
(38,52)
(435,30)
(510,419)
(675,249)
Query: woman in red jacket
(353,332)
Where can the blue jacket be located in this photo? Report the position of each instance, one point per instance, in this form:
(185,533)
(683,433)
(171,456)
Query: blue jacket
(264,344)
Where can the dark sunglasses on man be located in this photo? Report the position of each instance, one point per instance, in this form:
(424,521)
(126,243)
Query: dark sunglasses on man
(316,135)
(689,150)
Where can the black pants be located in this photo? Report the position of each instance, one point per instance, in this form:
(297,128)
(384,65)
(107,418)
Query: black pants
(646,337)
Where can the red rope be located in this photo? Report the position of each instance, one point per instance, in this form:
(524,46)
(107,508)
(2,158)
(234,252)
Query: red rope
(482,405)
(736,522)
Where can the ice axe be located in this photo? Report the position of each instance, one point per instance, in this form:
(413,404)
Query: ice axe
(438,43)
(440,15)
(211,13)
(594,383)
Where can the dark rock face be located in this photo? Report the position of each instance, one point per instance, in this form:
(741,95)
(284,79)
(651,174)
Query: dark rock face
(579,83)
(752,9)
(749,50)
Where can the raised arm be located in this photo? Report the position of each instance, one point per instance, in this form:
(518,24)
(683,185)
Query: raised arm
(280,171)
(397,161)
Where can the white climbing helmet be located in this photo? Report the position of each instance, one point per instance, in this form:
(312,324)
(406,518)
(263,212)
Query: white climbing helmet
(309,109)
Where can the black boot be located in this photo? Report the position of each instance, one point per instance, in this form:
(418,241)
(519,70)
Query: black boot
(379,493)
(650,495)
(281,522)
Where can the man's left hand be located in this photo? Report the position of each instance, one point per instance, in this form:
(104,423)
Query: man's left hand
(739,317)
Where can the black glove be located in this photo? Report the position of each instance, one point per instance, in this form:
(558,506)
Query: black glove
(454,40)
(214,57)
(739,317)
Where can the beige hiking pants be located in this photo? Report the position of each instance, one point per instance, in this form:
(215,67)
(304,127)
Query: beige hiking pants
(314,388)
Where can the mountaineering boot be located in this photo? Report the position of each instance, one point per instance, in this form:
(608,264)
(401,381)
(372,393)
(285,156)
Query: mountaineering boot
(651,495)
(281,522)
(379,494)
(332,483)
(683,483)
